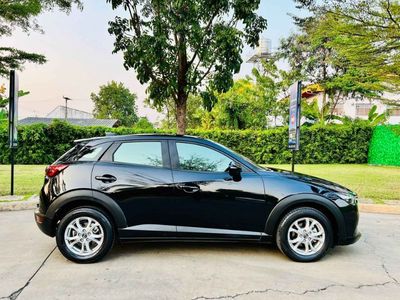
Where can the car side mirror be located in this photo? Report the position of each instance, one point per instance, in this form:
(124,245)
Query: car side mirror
(235,171)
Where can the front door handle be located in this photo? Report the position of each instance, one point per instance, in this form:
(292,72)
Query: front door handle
(106,178)
(190,189)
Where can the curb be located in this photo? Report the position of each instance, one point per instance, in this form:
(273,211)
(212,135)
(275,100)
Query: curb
(31,203)
(379,208)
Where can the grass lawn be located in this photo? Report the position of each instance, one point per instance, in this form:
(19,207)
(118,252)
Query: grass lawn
(370,182)
(28,179)
(377,183)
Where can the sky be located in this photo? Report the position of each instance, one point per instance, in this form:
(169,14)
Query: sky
(79,49)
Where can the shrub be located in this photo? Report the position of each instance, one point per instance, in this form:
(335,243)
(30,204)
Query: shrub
(42,144)
(385,146)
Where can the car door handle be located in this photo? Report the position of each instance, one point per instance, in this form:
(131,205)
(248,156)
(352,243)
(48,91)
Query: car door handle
(188,188)
(106,178)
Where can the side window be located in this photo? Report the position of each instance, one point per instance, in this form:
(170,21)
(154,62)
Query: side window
(82,152)
(199,158)
(140,153)
(92,154)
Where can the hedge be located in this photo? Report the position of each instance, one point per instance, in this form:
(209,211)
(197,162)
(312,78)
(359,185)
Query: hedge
(42,144)
(385,146)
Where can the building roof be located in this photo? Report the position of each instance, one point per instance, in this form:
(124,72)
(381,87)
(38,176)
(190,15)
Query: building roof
(308,91)
(78,122)
(59,112)
(311,90)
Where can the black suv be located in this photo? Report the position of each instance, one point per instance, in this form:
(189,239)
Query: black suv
(164,187)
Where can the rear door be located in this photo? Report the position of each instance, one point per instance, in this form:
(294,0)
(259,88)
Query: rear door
(137,175)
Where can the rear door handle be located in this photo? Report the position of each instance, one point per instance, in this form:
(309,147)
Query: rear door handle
(190,189)
(106,178)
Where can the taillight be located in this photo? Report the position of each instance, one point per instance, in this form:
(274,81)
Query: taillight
(53,170)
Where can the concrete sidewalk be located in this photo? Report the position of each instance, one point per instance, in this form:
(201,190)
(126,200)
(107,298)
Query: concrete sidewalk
(31,268)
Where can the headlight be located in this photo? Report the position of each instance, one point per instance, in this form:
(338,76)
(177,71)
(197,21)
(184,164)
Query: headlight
(349,198)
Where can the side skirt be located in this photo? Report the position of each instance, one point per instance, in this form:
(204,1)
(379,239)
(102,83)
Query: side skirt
(156,232)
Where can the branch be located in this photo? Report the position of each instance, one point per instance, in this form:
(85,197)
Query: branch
(207,72)
(206,31)
(390,14)
(231,23)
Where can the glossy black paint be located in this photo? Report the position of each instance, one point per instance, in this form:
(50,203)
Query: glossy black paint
(167,202)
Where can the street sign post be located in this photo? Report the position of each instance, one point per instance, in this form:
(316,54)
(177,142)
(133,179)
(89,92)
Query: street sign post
(12,122)
(294,119)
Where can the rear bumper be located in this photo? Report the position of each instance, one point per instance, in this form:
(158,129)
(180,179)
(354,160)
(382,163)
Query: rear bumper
(45,224)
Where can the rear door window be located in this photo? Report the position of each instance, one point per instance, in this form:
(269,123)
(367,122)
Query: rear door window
(140,153)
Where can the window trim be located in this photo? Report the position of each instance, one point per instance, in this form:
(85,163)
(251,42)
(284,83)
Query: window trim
(166,164)
(173,149)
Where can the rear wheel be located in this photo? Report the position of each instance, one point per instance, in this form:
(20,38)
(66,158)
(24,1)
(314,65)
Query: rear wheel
(85,235)
(304,234)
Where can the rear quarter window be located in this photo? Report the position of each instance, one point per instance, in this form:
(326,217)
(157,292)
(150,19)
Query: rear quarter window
(83,152)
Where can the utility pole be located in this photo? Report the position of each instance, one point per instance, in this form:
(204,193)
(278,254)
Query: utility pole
(66,106)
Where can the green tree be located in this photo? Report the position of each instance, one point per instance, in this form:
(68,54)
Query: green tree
(21,14)
(144,123)
(115,101)
(181,47)
(365,34)
(272,85)
(314,59)
(241,107)
(4,101)
(246,105)
(194,113)
(375,118)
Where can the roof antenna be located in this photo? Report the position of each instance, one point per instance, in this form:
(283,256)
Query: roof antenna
(66,106)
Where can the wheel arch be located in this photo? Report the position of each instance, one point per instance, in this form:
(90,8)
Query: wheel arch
(320,203)
(78,198)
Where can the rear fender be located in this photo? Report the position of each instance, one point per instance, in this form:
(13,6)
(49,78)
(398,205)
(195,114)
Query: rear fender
(87,197)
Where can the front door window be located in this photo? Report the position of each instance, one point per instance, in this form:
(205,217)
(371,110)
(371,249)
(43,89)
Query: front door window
(193,157)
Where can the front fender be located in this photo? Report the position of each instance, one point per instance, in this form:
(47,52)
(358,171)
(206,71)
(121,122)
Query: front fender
(87,197)
(305,199)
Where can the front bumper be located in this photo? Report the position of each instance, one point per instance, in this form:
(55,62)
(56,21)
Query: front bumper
(45,224)
(351,239)
(351,216)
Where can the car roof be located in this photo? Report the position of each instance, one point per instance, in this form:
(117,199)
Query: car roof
(112,138)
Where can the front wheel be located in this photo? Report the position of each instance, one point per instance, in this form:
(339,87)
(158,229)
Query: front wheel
(304,234)
(85,235)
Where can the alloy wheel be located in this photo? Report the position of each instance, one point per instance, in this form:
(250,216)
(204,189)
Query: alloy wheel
(84,236)
(306,236)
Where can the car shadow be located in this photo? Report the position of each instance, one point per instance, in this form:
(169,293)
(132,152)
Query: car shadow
(191,247)
(188,248)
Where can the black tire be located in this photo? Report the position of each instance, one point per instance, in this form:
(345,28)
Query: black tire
(106,229)
(299,214)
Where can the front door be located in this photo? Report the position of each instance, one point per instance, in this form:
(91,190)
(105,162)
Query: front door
(209,201)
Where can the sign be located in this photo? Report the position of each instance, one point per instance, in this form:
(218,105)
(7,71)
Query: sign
(13,110)
(294,116)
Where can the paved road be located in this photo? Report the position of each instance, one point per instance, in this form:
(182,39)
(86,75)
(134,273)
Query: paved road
(31,268)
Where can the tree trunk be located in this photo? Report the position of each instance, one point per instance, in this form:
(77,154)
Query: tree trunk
(323,108)
(181,115)
(182,96)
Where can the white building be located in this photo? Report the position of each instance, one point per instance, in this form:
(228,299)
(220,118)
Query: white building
(358,107)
